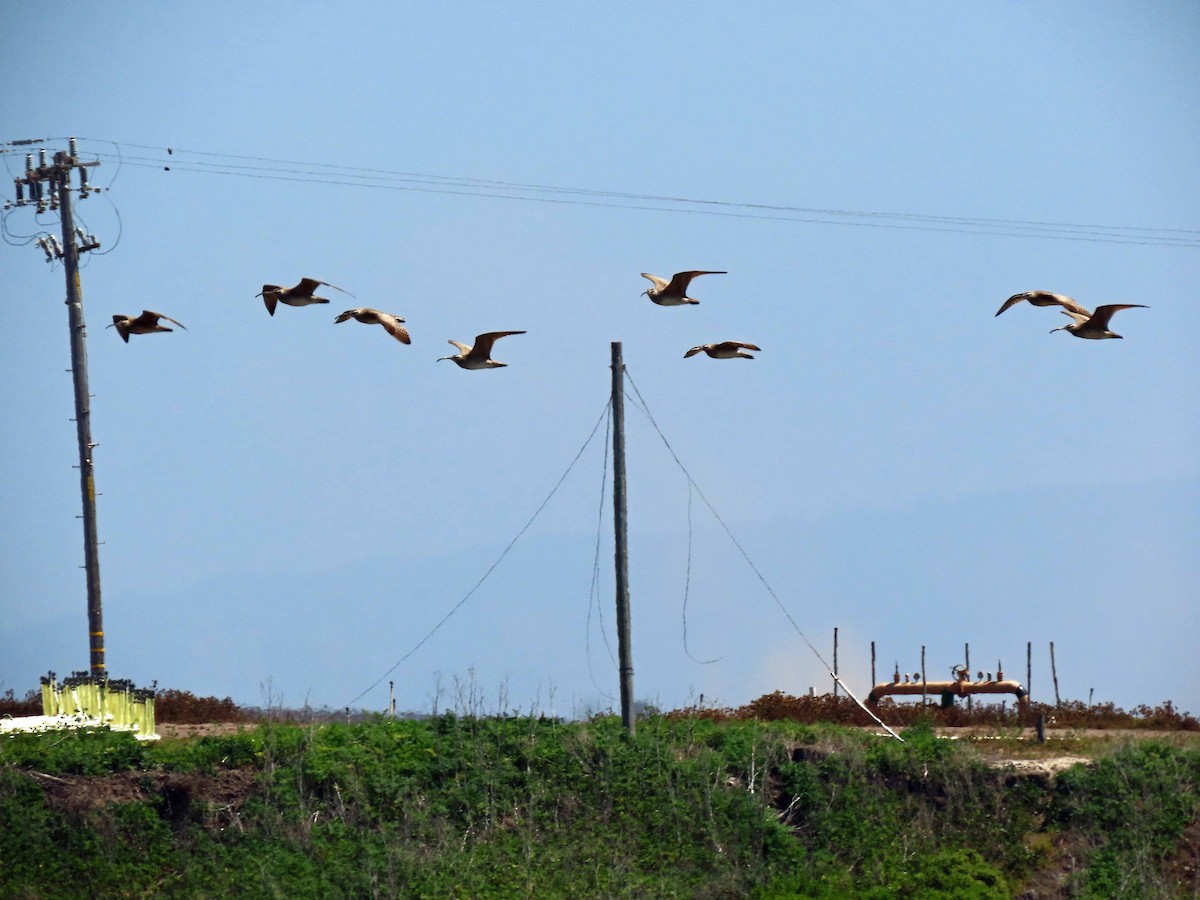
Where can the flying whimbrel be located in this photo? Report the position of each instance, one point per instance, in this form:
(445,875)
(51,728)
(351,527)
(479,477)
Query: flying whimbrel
(369,316)
(1043,298)
(1094,326)
(724,350)
(478,357)
(300,295)
(146,323)
(673,292)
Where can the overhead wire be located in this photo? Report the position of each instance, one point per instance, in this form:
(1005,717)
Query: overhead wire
(490,569)
(594,591)
(376,172)
(645,409)
(687,585)
(375,178)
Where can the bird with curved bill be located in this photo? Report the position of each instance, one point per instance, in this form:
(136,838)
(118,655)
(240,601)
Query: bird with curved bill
(479,355)
(368,316)
(1094,326)
(302,294)
(724,350)
(146,323)
(1086,324)
(674,292)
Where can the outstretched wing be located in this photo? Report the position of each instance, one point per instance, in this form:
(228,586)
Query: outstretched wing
(392,326)
(1078,318)
(680,280)
(122,326)
(1011,302)
(483,342)
(1044,298)
(270,295)
(659,283)
(1103,313)
(308,285)
(153,318)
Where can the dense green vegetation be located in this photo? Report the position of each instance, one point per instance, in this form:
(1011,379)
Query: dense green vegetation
(459,806)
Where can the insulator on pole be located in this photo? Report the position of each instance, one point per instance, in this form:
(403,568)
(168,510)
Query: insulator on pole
(28,164)
(74,148)
(42,159)
(83,185)
(20,193)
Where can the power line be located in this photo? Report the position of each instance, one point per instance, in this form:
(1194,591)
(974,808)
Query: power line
(273,169)
(644,407)
(687,584)
(491,568)
(594,590)
(861,219)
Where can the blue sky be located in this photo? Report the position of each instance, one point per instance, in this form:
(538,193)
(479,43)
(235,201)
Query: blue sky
(289,507)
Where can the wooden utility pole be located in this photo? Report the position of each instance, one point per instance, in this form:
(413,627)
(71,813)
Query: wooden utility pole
(620,547)
(49,188)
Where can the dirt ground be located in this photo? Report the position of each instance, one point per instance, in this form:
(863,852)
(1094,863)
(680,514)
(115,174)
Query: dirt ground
(1020,751)
(171,730)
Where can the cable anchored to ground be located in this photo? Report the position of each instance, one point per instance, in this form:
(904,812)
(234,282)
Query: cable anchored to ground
(491,568)
(645,409)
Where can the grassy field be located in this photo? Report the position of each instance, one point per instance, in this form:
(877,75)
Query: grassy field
(699,803)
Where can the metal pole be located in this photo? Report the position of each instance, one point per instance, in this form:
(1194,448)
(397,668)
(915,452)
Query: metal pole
(1029,669)
(924,681)
(873,681)
(967,660)
(620,528)
(83,416)
(1054,675)
(835,662)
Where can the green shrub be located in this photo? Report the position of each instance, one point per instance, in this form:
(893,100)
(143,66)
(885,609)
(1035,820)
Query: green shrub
(511,806)
(92,751)
(1131,808)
